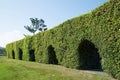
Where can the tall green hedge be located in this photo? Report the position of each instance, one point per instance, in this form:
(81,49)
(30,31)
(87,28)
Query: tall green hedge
(77,42)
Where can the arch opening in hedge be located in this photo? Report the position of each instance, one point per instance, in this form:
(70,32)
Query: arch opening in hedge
(52,55)
(13,54)
(32,55)
(20,54)
(89,58)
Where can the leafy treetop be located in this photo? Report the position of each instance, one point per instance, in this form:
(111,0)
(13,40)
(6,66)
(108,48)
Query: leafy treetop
(36,25)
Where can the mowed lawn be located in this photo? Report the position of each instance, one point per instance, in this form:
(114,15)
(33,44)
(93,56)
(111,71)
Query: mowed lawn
(23,70)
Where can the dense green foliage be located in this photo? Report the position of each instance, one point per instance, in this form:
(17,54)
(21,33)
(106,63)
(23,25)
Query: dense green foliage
(101,27)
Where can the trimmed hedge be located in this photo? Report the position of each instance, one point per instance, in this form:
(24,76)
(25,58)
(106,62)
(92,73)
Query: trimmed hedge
(78,43)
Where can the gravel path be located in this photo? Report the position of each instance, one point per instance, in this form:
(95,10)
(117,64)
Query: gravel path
(101,73)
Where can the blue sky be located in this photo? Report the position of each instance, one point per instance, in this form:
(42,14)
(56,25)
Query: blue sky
(15,14)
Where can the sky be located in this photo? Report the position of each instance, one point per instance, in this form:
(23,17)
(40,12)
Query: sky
(15,14)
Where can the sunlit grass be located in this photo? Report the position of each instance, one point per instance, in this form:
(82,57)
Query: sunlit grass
(22,70)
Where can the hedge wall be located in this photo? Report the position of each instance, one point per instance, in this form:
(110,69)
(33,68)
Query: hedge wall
(84,42)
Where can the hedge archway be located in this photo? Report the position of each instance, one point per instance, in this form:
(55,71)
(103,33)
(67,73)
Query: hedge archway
(32,55)
(52,55)
(13,54)
(89,57)
(20,54)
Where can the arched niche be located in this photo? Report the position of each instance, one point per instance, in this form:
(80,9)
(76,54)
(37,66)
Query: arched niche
(89,57)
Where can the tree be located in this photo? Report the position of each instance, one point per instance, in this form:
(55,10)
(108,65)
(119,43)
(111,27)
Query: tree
(36,25)
(2,51)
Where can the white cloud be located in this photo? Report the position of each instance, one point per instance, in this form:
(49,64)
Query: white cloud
(8,37)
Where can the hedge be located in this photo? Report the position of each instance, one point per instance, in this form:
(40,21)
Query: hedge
(89,41)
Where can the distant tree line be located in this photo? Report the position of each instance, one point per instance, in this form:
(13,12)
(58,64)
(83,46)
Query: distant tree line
(2,51)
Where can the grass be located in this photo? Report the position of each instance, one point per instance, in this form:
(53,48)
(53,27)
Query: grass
(22,70)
